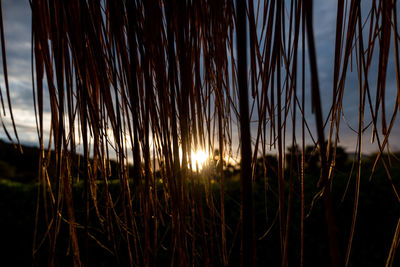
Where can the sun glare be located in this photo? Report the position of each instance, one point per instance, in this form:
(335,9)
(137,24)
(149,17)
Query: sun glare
(198,159)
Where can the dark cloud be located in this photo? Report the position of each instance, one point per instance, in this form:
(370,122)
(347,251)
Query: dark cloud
(17,21)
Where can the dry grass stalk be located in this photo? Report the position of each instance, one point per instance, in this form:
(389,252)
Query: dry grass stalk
(148,82)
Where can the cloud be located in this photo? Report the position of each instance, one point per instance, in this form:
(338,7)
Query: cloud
(17,22)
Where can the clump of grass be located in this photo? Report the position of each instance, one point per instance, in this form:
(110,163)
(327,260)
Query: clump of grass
(140,81)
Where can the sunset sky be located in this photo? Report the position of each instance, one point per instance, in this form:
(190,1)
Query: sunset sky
(17,22)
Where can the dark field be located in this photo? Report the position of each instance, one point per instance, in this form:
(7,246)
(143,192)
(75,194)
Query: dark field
(376,221)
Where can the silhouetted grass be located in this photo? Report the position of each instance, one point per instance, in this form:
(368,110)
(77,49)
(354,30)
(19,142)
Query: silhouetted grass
(147,82)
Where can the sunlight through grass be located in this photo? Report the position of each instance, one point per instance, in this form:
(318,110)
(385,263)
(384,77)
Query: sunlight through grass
(199,159)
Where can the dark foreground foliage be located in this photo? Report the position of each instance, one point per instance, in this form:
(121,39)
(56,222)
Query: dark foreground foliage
(377,217)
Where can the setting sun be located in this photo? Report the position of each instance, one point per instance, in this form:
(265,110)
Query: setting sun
(198,159)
